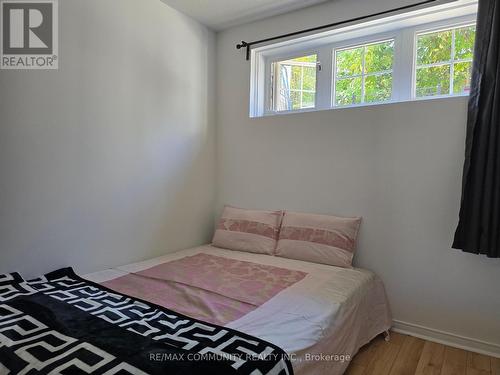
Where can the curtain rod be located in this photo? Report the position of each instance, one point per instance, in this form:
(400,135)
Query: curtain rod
(248,45)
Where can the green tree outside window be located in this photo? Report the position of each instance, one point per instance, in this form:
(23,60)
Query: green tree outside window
(444,62)
(363,74)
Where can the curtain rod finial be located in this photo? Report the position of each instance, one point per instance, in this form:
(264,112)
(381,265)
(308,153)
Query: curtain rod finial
(246,45)
(242,45)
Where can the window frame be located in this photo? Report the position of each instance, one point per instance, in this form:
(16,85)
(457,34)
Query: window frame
(404,31)
(301,91)
(270,76)
(451,62)
(363,75)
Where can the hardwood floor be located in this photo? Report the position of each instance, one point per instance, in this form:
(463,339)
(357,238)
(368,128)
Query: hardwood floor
(407,355)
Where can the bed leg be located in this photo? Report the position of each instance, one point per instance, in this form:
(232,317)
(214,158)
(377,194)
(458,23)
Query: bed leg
(387,336)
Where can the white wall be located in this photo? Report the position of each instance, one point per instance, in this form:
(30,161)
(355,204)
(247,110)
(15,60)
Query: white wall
(397,165)
(111,158)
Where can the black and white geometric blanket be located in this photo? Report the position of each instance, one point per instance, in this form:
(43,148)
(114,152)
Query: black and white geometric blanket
(63,324)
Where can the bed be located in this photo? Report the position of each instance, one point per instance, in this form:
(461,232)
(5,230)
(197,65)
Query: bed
(319,315)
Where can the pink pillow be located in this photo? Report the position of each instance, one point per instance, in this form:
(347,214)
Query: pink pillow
(318,238)
(248,230)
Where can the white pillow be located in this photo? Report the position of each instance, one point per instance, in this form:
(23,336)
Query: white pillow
(318,238)
(252,231)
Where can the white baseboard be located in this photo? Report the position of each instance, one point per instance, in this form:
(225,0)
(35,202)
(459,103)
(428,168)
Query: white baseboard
(447,338)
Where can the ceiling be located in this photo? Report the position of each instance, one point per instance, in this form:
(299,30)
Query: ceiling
(221,14)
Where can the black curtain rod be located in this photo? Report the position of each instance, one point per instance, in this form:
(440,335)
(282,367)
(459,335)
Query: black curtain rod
(249,45)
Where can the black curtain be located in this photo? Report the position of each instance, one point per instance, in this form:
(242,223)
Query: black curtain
(478,229)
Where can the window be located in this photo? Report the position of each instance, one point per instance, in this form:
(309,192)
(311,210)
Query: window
(424,54)
(294,83)
(363,74)
(444,61)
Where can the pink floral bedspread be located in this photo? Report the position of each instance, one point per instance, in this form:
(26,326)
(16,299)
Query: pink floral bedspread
(206,287)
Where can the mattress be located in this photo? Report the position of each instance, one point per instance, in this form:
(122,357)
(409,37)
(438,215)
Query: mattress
(320,315)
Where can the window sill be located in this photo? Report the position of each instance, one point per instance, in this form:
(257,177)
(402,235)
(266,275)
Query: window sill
(363,105)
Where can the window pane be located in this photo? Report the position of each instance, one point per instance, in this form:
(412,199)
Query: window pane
(464,42)
(379,57)
(292,77)
(296,80)
(348,91)
(295,100)
(433,81)
(349,62)
(461,78)
(306,59)
(282,87)
(309,78)
(433,48)
(308,99)
(378,88)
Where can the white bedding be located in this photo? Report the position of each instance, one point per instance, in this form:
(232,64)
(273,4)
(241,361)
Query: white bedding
(331,312)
